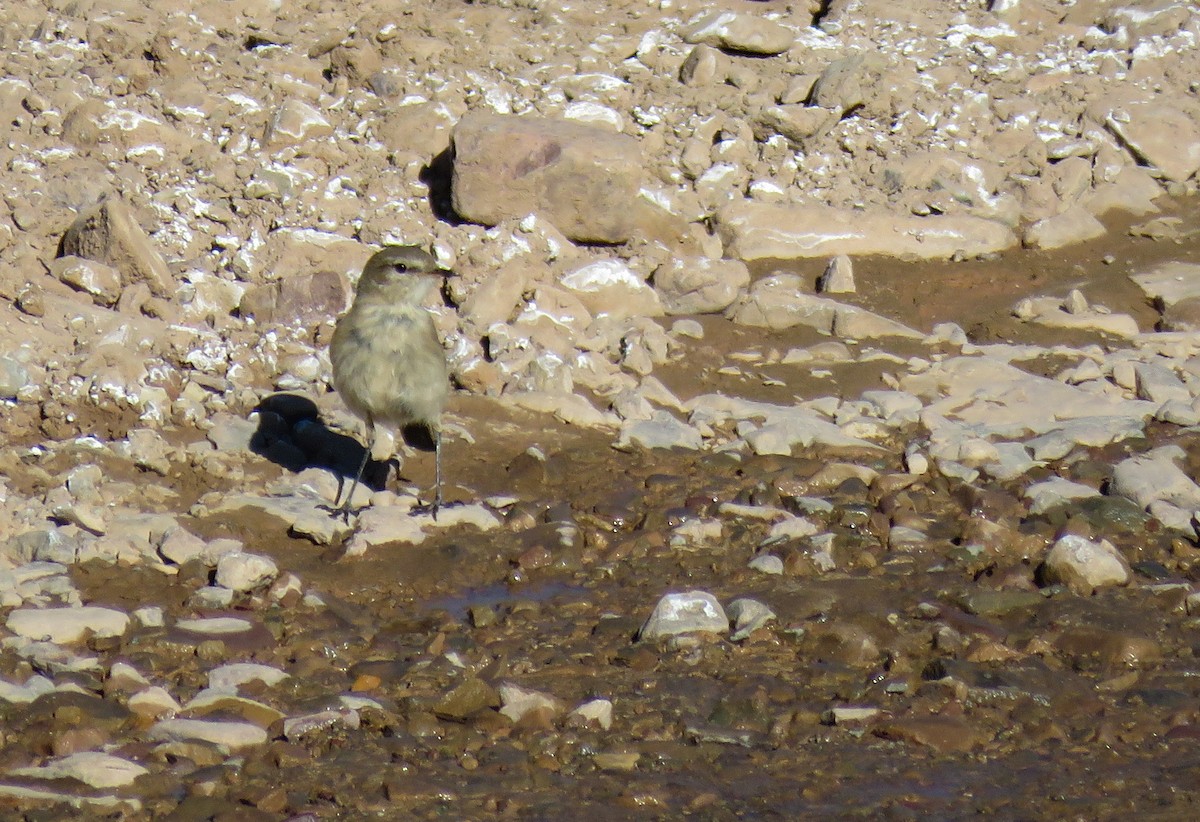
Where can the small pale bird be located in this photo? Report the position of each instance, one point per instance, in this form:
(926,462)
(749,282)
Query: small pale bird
(388,365)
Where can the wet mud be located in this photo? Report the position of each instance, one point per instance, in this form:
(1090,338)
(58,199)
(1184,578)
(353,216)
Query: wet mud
(928,681)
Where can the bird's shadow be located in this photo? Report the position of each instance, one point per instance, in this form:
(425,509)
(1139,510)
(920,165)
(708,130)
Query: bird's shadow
(438,176)
(292,435)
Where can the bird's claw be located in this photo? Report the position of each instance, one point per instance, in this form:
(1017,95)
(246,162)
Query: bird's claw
(430,508)
(336,511)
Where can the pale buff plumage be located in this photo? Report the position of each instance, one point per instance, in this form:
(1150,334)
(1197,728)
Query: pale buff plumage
(388,364)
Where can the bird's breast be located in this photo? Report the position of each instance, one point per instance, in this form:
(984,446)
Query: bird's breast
(387,329)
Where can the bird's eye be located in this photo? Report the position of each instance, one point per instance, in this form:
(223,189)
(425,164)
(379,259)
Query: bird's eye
(400,268)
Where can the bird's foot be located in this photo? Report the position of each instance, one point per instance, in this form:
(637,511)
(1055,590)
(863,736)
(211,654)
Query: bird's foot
(420,509)
(342,511)
(432,508)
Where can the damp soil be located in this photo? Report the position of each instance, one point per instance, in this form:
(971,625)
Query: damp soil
(979,294)
(722,729)
(991,696)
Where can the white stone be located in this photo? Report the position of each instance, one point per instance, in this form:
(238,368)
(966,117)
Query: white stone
(838,277)
(32,572)
(791,527)
(88,517)
(72,800)
(1174,517)
(1075,303)
(685,613)
(594,114)
(897,407)
(782,426)
(1179,413)
(296,121)
(1011,461)
(1091,432)
(284,585)
(475,515)
(150,616)
(915,461)
(1158,383)
(179,546)
(1170,282)
(661,430)
(300,513)
(610,287)
(234,674)
(754,231)
(215,626)
(991,397)
(1055,491)
(297,726)
(51,656)
(739,32)
(1124,375)
(779,301)
(516,702)
(34,687)
(767,564)
(384,525)
(230,433)
(99,770)
(240,571)
(1084,565)
(1074,225)
(1160,134)
(902,537)
(599,711)
(1134,190)
(762,513)
(1051,311)
(147,448)
(127,676)
(688,328)
(356,702)
(854,323)
(569,408)
(217,548)
(822,552)
(785,434)
(697,531)
(748,615)
(210,701)
(211,598)
(1154,476)
(699,285)
(154,702)
(234,736)
(67,625)
(851,713)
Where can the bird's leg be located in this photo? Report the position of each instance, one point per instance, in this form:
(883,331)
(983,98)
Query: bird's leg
(344,510)
(437,471)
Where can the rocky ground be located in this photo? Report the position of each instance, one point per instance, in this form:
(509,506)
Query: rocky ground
(824,441)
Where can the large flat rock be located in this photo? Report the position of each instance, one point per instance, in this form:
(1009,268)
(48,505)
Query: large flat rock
(761,231)
(67,625)
(582,179)
(1170,283)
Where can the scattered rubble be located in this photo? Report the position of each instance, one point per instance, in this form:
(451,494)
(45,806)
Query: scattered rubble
(724,496)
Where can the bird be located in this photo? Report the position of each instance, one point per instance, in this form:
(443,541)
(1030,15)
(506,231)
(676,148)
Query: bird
(389,367)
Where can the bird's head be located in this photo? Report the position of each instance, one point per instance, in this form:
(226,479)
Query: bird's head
(400,274)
